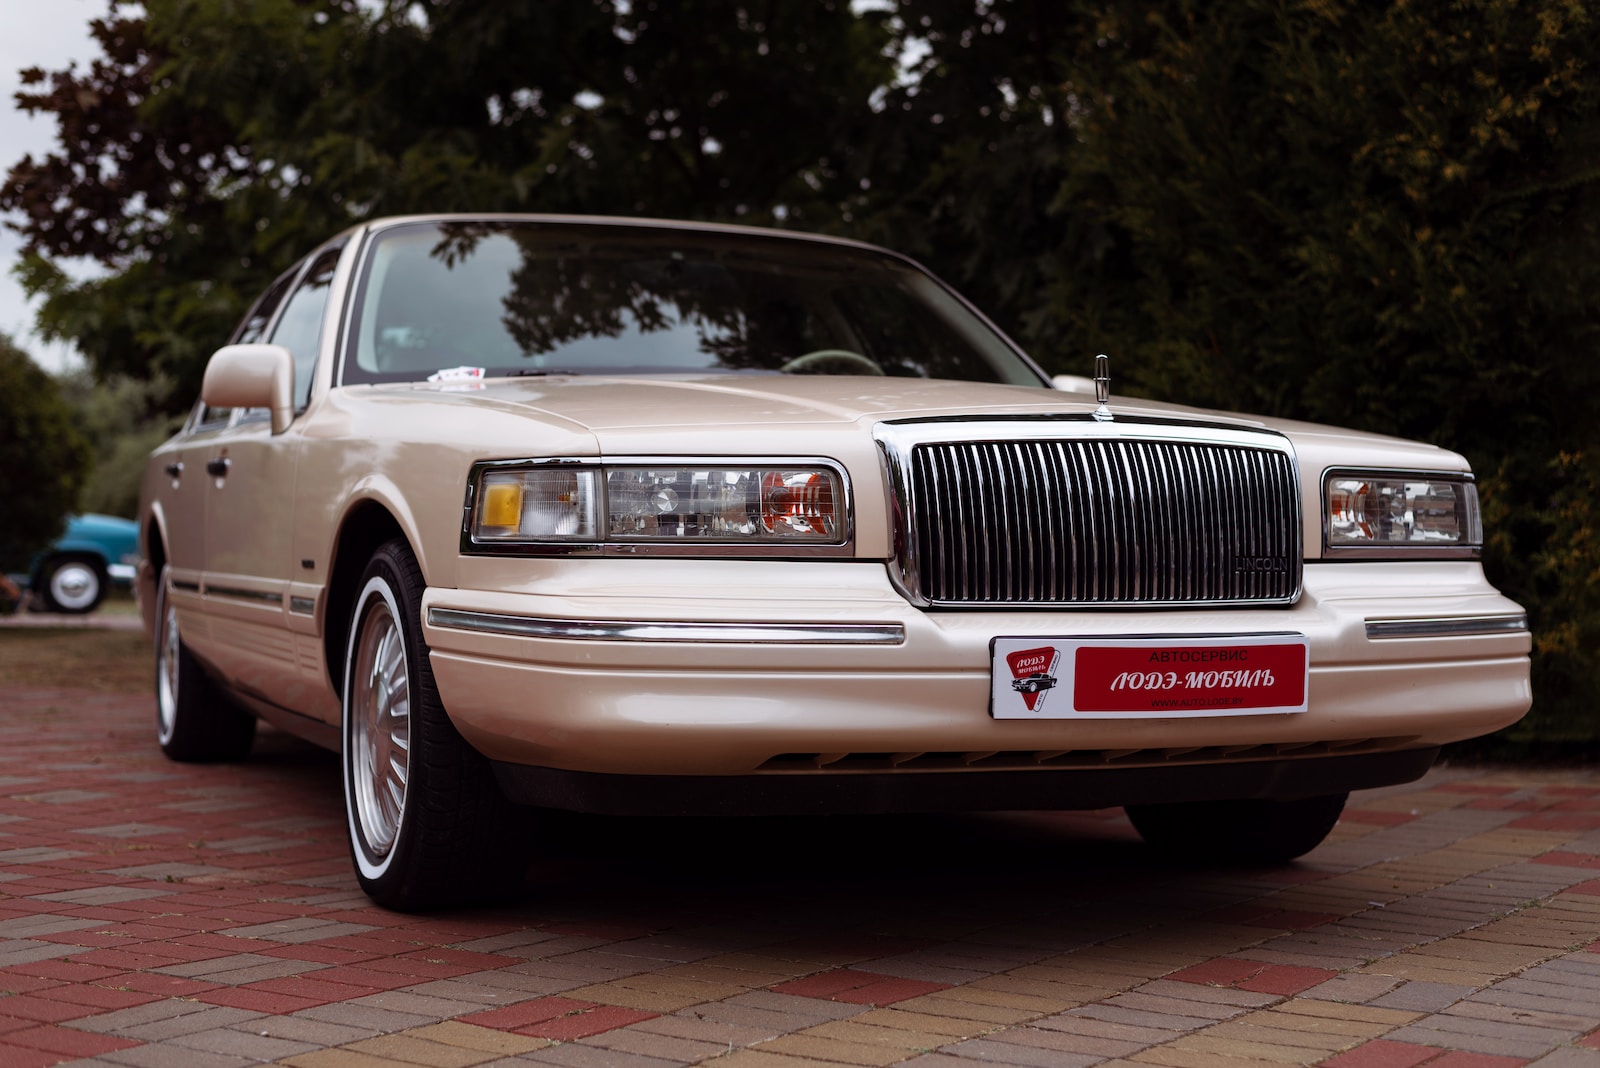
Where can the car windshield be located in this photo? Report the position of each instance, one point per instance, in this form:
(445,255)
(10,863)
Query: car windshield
(514,297)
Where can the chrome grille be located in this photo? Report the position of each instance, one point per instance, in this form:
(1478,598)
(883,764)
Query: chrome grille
(1105,518)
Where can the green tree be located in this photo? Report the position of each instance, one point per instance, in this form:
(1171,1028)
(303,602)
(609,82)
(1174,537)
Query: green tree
(1378,217)
(122,419)
(43,458)
(215,140)
(967,154)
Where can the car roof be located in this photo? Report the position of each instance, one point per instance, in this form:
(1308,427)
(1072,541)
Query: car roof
(630,222)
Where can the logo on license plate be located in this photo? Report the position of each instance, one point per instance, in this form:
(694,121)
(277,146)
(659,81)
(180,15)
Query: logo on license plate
(1033,673)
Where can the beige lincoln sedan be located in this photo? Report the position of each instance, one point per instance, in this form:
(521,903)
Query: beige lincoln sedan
(629,516)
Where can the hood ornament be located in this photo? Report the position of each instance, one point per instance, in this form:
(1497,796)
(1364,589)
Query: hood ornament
(1102,387)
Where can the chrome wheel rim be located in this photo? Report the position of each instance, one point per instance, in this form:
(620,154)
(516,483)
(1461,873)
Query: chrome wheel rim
(167,672)
(380,729)
(74,586)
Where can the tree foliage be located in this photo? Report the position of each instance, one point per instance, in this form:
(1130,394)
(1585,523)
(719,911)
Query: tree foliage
(215,140)
(1377,217)
(43,459)
(1370,215)
(122,419)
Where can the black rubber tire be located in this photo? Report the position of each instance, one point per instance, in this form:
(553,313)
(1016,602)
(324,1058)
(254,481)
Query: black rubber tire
(93,570)
(1239,832)
(458,840)
(195,722)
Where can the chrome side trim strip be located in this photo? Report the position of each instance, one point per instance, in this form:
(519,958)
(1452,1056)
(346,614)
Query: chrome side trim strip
(1456,627)
(234,593)
(611,630)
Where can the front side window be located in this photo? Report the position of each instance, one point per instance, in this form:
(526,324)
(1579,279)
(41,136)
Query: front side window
(540,298)
(249,332)
(260,315)
(299,329)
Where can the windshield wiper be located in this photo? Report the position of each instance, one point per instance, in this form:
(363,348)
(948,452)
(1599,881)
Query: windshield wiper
(524,372)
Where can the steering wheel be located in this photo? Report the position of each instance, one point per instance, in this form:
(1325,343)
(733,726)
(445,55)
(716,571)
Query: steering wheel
(813,361)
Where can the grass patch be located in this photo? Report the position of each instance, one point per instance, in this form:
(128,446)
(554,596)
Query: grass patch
(108,661)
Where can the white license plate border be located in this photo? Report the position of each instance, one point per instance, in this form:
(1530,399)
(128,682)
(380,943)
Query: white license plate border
(1066,645)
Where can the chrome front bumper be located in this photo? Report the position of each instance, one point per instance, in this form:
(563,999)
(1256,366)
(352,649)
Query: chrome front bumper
(728,668)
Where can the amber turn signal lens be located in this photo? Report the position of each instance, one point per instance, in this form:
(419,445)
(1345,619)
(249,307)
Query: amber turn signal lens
(502,505)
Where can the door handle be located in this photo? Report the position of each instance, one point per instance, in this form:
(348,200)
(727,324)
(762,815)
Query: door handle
(175,470)
(218,468)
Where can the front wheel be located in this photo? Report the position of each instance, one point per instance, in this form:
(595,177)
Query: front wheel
(1264,832)
(428,826)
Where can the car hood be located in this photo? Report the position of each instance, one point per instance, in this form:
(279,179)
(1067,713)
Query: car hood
(617,408)
(602,403)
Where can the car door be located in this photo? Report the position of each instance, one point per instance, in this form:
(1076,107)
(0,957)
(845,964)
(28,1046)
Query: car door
(249,509)
(180,490)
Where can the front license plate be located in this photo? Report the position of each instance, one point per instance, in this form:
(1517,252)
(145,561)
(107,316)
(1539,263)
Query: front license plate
(1145,678)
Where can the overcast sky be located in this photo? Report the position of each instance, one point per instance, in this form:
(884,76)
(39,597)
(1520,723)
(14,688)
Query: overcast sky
(48,34)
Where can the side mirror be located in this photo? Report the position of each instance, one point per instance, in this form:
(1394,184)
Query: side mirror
(1073,384)
(252,376)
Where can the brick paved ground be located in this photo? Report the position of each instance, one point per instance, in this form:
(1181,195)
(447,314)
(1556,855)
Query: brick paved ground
(155,914)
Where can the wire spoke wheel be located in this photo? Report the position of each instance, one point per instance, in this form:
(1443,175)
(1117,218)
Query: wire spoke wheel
(380,727)
(428,827)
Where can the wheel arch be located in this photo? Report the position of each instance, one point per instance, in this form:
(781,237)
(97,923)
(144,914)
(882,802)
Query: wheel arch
(367,524)
(153,557)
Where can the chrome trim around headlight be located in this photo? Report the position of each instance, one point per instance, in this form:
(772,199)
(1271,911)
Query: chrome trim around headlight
(1403,551)
(1447,627)
(634,546)
(612,630)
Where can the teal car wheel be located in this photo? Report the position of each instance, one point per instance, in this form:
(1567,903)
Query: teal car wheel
(72,584)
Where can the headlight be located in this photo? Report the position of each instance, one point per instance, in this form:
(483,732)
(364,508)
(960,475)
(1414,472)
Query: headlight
(630,507)
(1409,513)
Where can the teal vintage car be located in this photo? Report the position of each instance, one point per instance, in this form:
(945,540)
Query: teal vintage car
(75,572)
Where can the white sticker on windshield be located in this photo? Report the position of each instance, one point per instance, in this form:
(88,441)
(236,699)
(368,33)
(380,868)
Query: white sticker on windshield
(458,377)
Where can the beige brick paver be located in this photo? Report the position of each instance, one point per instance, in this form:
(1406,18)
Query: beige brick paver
(823,1048)
(1247,1048)
(1177,1056)
(855,1031)
(921,1022)
(413,1050)
(961,1005)
(338,1058)
(470,1036)
(760,1058)
(655,992)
